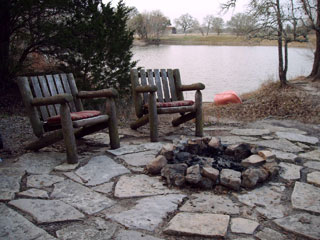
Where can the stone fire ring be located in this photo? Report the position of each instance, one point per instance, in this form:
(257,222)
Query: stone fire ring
(205,163)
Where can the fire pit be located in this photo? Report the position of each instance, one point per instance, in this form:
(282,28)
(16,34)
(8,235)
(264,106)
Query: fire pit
(205,163)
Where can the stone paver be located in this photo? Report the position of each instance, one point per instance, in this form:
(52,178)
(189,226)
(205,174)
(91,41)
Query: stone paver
(80,197)
(313,155)
(314,178)
(279,144)
(295,137)
(127,149)
(303,224)
(149,212)
(34,193)
(306,197)
(98,138)
(10,179)
(40,162)
(104,188)
(133,235)
(230,140)
(267,201)
(285,156)
(14,226)
(270,234)
(99,170)
(290,171)
(47,211)
(80,231)
(250,132)
(199,224)
(43,180)
(138,159)
(207,202)
(141,186)
(243,225)
(312,164)
(65,167)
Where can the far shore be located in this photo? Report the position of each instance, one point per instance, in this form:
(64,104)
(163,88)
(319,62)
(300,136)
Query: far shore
(217,40)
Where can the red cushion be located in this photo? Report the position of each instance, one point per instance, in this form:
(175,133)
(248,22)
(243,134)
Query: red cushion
(75,116)
(173,104)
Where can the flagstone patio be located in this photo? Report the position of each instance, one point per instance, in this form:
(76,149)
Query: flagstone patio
(109,196)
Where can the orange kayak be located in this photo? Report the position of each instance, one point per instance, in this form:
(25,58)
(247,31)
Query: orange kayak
(226,98)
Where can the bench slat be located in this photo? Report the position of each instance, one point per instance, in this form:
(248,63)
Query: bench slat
(158,84)
(53,90)
(172,85)
(68,90)
(165,85)
(46,93)
(143,77)
(38,93)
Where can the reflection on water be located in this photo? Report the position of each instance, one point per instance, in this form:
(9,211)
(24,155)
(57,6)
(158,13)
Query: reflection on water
(223,68)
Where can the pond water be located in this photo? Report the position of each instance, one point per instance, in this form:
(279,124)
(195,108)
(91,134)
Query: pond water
(222,68)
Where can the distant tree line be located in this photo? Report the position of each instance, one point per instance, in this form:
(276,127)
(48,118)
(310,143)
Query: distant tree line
(86,37)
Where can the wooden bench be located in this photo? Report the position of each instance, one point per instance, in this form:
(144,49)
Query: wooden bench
(55,110)
(160,91)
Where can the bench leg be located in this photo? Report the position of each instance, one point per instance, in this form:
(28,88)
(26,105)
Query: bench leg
(199,116)
(153,118)
(113,124)
(68,134)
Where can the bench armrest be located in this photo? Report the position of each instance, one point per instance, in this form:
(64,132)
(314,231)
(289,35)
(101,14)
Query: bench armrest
(144,89)
(110,92)
(192,87)
(57,99)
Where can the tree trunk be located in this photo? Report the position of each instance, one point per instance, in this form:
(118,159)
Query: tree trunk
(282,72)
(4,44)
(315,73)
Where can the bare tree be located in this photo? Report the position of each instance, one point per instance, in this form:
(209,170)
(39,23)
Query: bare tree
(311,8)
(241,24)
(185,21)
(207,23)
(149,25)
(217,25)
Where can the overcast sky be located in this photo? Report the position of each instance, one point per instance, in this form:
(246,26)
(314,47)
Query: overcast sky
(175,8)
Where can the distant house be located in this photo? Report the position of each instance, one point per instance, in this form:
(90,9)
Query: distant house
(170,30)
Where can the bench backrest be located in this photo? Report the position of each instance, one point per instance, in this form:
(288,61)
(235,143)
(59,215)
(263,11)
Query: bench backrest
(166,80)
(46,86)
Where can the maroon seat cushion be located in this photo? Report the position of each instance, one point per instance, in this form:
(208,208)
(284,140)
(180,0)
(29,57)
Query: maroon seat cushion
(173,104)
(75,116)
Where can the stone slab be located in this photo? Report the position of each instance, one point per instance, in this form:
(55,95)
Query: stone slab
(81,231)
(149,212)
(230,140)
(10,179)
(303,224)
(42,180)
(40,162)
(73,177)
(139,159)
(141,186)
(313,155)
(269,234)
(81,197)
(279,144)
(34,193)
(98,139)
(105,188)
(306,197)
(266,200)
(207,202)
(314,178)
(66,167)
(285,156)
(100,170)
(15,226)
(290,171)
(243,225)
(295,137)
(312,164)
(47,211)
(250,132)
(127,149)
(274,128)
(202,224)
(134,235)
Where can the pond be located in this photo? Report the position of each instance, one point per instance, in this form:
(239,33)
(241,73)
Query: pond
(222,68)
